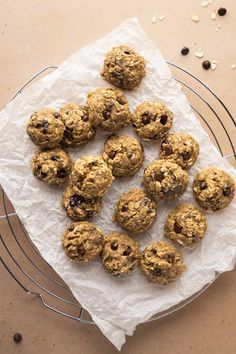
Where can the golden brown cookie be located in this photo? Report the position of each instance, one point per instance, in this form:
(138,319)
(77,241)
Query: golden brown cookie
(185,225)
(82,241)
(161,263)
(108,109)
(135,211)
(180,147)
(91,176)
(152,120)
(45,128)
(120,253)
(124,154)
(78,207)
(52,166)
(79,129)
(213,188)
(123,67)
(165,179)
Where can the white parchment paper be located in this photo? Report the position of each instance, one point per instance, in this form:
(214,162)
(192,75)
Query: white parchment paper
(116,305)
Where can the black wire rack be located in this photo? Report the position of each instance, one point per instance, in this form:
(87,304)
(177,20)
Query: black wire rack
(23,261)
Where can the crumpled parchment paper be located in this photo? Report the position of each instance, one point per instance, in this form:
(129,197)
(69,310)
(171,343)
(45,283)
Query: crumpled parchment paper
(117,305)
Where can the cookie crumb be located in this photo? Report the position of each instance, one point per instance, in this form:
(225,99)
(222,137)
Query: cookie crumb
(218,27)
(233,66)
(199,53)
(162,17)
(154,19)
(204,3)
(213,15)
(195,18)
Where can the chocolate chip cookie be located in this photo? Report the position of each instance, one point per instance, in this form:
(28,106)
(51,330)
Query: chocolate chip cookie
(108,109)
(51,166)
(123,67)
(161,263)
(213,188)
(78,207)
(91,176)
(152,120)
(79,128)
(180,147)
(120,253)
(82,241)
(185,225)
(45,128)
(165,179)
(135,211)
(124,154)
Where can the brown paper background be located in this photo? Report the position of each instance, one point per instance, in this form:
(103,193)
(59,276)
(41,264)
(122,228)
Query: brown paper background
(34,34)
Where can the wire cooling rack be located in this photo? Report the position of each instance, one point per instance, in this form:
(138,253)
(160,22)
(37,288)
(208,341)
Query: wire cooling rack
(22,259)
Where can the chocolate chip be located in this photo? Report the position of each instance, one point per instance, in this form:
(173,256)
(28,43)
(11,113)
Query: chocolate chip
(158,176)
(203,185)
(62,173)
(206,64)
(56,115)
(154,251)
(81,250)
(55,158)
(111,154)
(127,251)
(76,200)
(106,114)
(177,228)
(89,213)
(121,100)
(125,208)
(43,174)
(84,118)
(157,272)
(222,11)
(167,150)
(145,119)
(93,163)
(186,155)
(185,51)
(80,178)
(127,52)
(68,133)
(163,119)
(114,245)
(227,191)
(17,337)
(170,258)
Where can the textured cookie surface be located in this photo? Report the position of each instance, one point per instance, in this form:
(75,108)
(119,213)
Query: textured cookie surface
(123,67)
(124,154)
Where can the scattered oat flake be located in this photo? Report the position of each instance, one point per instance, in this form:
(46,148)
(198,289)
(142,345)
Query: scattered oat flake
(154,19)
(199,53)
(195,18)
(214,61)
(213,15)
(233,66)
(204,3)
(213,66)
(162,17)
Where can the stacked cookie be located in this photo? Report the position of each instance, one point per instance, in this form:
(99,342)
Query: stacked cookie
(165,178)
